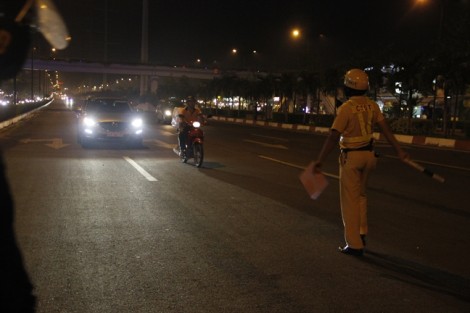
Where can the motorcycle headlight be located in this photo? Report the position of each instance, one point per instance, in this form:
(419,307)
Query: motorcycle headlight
(137,122)
(196,124)
(89,122)
(167,112)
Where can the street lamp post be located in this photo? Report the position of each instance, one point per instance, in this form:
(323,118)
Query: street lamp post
(144,46)
(235,56)
(296,36)
(442,4)
(32,72)
(305,46)
(441,21)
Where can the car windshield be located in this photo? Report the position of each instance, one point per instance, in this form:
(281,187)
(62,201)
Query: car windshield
(108,105)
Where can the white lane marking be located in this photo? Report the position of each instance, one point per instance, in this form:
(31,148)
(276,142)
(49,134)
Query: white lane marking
(266,144)
(294,165)
(384,155)
(270,137)
(55,143)
(140,169)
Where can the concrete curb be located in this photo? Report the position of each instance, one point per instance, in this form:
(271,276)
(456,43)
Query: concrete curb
(456,144)
(18,118)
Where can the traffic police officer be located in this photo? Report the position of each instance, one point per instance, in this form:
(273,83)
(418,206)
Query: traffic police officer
(353,129)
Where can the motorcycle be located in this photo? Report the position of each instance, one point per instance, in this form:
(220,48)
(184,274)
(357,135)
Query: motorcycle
(194,148)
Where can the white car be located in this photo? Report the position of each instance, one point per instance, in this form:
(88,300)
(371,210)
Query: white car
(109,119)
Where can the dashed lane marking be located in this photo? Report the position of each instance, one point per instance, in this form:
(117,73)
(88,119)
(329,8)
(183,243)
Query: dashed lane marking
(140,169)
(266,144)
(295,165)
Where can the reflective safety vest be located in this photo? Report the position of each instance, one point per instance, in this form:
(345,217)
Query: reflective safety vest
(364,113)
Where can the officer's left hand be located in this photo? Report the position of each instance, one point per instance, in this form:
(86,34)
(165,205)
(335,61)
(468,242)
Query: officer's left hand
(316,167)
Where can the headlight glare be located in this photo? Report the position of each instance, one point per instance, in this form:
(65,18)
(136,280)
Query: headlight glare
(87,121)
(137,122)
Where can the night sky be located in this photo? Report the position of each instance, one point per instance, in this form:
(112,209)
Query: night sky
(181,31)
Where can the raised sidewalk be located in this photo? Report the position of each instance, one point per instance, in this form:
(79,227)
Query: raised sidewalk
(456,144)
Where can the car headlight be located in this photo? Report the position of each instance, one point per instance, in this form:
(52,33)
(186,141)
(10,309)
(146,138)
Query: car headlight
(89,122)
(167,112)
(137,122)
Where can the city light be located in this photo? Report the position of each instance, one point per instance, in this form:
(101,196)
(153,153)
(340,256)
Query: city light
(295,33)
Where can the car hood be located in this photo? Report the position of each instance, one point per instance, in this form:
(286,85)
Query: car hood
(112,117)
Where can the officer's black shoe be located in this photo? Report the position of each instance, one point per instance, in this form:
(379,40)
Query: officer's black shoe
(351,251)
(363,238)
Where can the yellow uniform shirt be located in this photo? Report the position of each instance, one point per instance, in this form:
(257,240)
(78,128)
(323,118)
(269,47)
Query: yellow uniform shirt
(355,121)
(188,116)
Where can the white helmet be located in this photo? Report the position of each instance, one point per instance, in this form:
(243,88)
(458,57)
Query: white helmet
(356,79)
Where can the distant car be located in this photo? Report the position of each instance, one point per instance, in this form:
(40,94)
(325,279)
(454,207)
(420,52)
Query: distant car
(164,112)
(109,119)
(145,107)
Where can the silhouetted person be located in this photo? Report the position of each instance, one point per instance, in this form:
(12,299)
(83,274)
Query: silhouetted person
(16,290)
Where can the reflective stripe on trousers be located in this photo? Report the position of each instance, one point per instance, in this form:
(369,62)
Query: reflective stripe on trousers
(354,170)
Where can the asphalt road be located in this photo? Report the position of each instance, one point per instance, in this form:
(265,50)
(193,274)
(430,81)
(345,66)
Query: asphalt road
(113,229)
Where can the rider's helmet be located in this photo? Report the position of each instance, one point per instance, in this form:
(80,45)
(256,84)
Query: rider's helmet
(356,79)
(191,100)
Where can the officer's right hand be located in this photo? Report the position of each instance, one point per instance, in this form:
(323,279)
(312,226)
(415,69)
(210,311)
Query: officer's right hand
(404,156)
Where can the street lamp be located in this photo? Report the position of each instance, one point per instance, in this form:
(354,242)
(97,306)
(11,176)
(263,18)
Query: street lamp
(53,53)
(441,3)
(295,33)
(33,50)
(245,59)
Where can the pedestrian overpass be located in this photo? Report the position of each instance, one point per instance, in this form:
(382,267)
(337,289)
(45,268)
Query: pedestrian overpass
(129,69)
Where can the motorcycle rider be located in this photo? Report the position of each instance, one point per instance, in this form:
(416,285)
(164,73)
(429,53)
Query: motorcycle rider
(186,116)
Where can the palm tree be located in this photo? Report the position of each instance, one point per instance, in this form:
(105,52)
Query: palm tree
(286,85)
(330,81)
